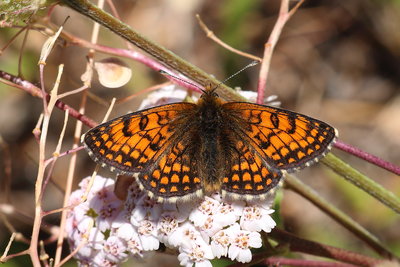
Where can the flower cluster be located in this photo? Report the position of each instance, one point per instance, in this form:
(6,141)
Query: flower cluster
(106,231)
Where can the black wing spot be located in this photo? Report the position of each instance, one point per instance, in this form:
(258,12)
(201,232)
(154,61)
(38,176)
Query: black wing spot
(125,129)
(275,120)
(143,122)
(292,123)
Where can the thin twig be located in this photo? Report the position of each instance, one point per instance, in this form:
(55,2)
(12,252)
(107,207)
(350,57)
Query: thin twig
(12,39)
(82,88)
(5,183)
(9,257)
(41,169)
(37,130)
(109,110)
(146,90)
(21,52)
(69,151)
(78,131)
(284,16)
(56,153)
(280,261)
(12,237)
(210,34)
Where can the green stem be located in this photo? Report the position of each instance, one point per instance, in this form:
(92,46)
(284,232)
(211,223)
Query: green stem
(296,185)
(363,182)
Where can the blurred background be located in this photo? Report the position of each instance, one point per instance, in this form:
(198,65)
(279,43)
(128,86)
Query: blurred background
(337,61)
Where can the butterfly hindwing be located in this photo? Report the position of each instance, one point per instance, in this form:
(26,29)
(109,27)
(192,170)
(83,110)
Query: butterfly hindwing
(247,174)
(285,139)
(174,175)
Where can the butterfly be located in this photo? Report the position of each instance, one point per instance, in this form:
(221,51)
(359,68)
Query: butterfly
(183,151)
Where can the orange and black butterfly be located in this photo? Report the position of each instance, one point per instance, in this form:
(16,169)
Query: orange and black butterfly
(184,150)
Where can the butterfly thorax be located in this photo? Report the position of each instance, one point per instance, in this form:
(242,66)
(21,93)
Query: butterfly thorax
(210,129)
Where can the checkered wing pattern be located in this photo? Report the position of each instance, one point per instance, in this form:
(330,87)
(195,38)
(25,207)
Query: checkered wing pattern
(285,140)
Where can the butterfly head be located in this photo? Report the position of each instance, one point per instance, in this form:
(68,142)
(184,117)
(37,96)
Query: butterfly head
(209,95)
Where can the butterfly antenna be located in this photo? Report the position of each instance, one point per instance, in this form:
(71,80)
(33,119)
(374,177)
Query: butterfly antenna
(163,72)
(251,64)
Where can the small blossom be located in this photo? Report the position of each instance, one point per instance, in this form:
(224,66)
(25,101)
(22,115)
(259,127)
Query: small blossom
(228,213)
(199,254)
(167,224)
(185,235)
(241,242)
(206,208)
(107,214)
(256,218)
(96,238)
(146,208)
(100,182)
(147,231)
(134,247)
(100,260)
(210,227)
(126,231)
(114,249)
(219,244)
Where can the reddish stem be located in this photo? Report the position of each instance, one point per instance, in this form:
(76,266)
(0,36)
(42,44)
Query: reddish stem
(297,244)
(280,261)
(368,157)
(35,91)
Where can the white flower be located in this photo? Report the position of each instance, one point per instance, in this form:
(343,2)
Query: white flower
(228,213)
(100,182)
(256,218)
(96,238)
(134,247)
(166,225)
(147,231)
(210,227)
(126,231)
(105,194)
(146,208)
(219,243)
(185,235)
(241,242)
(206,208)
(100,260)
(106,214)
(93,242)
(199,254)
(200,230)
(114,249)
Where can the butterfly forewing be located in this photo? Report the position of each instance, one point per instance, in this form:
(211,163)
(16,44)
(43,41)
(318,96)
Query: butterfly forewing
(284,139)
(132,142)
